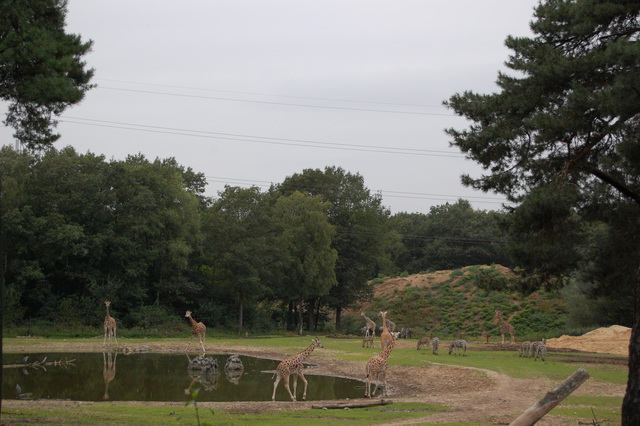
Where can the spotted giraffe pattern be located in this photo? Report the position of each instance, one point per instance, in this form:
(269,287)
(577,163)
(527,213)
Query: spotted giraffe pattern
(376,367)
(294,366)
(197,329)
(109,325)
(386,338)
(505,327)
(371,326)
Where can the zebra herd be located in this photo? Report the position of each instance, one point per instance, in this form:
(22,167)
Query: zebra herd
(535,349)
(457,347)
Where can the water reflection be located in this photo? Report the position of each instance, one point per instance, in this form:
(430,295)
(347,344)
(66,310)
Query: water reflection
(108,371)
(157,377)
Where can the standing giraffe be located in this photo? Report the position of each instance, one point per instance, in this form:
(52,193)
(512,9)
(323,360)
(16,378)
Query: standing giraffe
(197,329)
(109,326)
(386,338)
(293,365)
(504,326)
(376,367)
(371,326)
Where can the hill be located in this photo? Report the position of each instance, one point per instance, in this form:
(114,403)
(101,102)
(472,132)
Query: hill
(462,302)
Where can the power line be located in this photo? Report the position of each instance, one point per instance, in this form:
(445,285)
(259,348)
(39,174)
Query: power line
(384,193)
(257,139)
(217,98)
(272,95)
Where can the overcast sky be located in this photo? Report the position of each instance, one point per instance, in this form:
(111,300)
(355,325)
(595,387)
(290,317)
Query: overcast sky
(250,92)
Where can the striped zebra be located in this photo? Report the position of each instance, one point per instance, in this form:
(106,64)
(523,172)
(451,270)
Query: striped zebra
(540,350)
(525,349)
(436,343)
(458,345)
(424,341)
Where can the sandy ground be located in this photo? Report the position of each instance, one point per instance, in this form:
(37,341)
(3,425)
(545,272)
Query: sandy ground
(473,395)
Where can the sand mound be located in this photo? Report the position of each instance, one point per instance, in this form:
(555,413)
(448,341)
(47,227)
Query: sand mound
(607,340)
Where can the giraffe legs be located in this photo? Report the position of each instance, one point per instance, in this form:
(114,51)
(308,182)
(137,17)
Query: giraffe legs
(286,386)
(304,394)
(275,386)
(202,344)
(189,344)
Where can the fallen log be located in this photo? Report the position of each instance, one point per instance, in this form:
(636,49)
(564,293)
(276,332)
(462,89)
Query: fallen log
(551,399)
(352,404)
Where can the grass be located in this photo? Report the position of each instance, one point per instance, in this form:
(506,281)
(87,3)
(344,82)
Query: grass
(605,407)
(122,413)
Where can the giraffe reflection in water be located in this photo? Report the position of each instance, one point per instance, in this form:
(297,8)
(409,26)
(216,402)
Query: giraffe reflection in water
(108,371)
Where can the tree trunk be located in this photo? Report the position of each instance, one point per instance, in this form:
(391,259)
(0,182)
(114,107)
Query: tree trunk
(312,311)
(338,317)
(551,399)
(300,321)
(3,262)
(241,316)
(631,401)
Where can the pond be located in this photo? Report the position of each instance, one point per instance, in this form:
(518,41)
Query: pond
(157,377)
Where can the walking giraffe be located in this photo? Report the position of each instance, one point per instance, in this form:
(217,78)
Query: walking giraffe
(197,329)
(109,326)
(293,365)
(377,366)
(371,326)
(504,326)
(386,338)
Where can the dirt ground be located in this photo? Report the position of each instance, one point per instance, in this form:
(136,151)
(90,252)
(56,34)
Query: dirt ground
(473,395)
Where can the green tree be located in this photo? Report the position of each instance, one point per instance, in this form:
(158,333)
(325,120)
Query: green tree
(308,258)
(360,222)
(239,241)
(568,117)
(41,68)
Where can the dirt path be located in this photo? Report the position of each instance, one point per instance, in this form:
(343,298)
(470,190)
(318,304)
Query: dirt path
(472,395)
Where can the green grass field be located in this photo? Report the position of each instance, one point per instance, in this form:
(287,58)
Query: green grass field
(579,408)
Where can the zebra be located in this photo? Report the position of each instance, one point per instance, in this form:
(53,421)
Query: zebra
(458,345)
(424,342)
(406,333)
(540,350)
(525,349)
(435,342)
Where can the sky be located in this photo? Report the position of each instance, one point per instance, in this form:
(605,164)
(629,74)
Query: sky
(249,92)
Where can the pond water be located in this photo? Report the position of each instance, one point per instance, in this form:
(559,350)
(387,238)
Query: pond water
(157,377)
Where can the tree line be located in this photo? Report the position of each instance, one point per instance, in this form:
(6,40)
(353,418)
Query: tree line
(79,229)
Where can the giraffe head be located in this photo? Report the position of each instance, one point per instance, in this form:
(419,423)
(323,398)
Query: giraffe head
(383,314)
(187,314)
(317,344)
(498,316)
(108,303)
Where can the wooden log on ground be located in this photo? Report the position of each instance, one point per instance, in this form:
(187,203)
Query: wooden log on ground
(551,399)
(352,404)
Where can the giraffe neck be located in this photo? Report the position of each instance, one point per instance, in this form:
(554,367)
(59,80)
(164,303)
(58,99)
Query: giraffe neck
(387,351)
(304,354)
(384,324)
(192,321)
(108,316)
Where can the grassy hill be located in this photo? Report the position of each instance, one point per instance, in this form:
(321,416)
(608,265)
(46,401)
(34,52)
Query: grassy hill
(462,302)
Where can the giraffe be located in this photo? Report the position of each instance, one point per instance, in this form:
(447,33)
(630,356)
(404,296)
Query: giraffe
(197,329)
(377,366)
(293,365)
(109,325)
(108,371)
(386,338)
(504,326)
(371,326)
